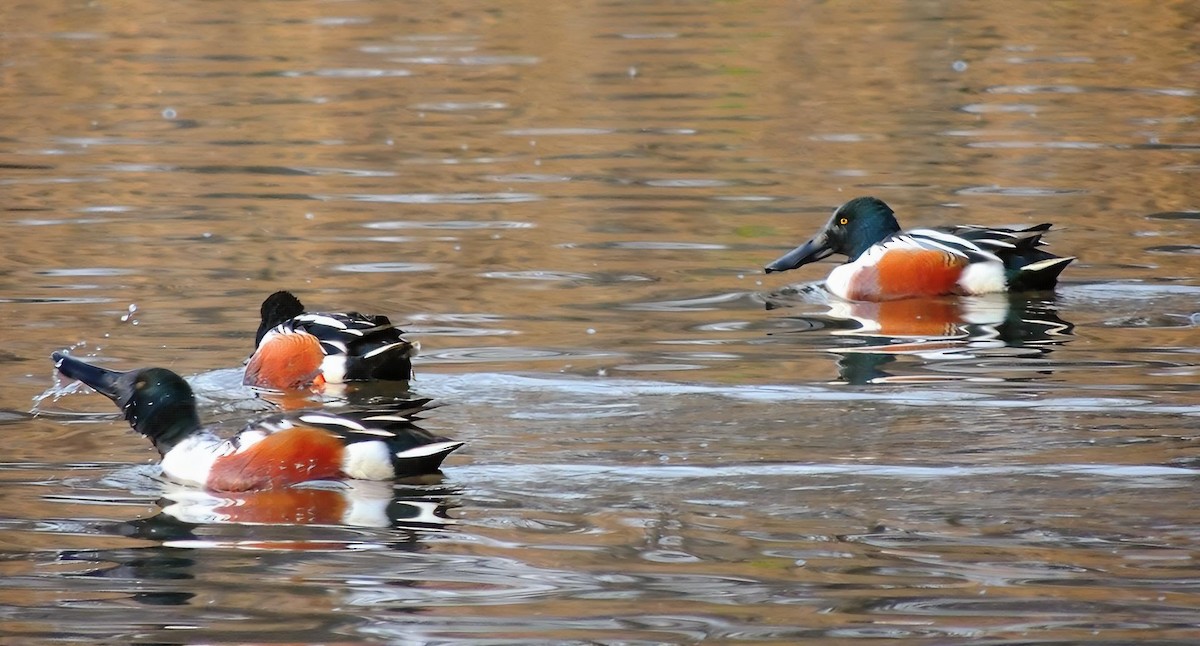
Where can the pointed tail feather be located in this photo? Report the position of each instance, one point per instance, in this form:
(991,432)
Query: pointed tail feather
(423,459)
(392,362)
(1039,275)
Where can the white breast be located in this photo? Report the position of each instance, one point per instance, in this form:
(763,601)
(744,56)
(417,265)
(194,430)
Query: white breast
(192,460)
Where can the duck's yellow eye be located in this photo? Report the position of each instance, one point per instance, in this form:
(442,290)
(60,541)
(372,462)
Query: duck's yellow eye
(139,384)
(844,221)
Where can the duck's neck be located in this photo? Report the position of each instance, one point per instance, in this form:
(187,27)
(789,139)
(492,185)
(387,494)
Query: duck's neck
(168,425)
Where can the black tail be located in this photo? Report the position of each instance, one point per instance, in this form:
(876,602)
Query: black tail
(1040,274)
(1027,266)
(389,362)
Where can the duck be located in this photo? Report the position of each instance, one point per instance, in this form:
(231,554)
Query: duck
(275,451)
(886,263)
(296,349)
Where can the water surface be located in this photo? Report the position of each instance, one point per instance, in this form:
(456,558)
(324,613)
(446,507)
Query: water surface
(569,205)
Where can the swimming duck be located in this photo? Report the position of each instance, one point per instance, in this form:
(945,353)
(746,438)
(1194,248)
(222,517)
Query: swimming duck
(887,264)
(275,451)
(296,349)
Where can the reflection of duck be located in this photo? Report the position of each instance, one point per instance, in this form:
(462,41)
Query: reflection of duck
(358,503)
(275,451)
(886,264)
(935,330)
(297,349)
(296,519)
(1008,319)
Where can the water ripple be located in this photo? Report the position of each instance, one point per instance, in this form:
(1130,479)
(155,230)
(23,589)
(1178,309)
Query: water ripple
(490,354)
(1064,145)
(995,108)
(466,60)
(548,132)
(386,267)
(1174,215)
(466,386)
(1023,191)
(345,73)
(528,177)
(536,475)
(649,245)
(657,367)
(566,276)
(690,183)
(448,224)
(1077,89)
(452,106)
(85,271)
(703,303)
(438,198)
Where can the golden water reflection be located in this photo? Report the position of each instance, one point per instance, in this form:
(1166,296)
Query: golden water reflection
(568,205)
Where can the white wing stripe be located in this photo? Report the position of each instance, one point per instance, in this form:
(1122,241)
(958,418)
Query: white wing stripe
(381,350)
(429,449)
(317,418)
(321,319)
(940,238)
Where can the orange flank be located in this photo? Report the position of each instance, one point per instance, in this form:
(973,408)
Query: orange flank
(918,272)
(285,458)
(283,506)
(912,317)
(286,361)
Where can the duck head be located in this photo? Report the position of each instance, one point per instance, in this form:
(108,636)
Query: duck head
(854,227)
(277,308)
(156,402)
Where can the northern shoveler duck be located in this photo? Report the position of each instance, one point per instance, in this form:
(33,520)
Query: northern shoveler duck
(275,451)
(887,264)
(298,349)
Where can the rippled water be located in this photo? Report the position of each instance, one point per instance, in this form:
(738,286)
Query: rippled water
(569,205)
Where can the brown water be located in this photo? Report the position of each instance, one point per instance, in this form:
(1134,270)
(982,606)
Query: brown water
(570,204)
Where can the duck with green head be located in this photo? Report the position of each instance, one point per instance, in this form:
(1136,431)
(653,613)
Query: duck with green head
(275,451)
(887,264)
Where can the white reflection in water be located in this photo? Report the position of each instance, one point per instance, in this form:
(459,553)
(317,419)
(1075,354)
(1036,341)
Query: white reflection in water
(386,267)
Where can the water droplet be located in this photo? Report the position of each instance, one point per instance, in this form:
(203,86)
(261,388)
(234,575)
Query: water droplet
(591,330)
(168,113)
(959,66)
